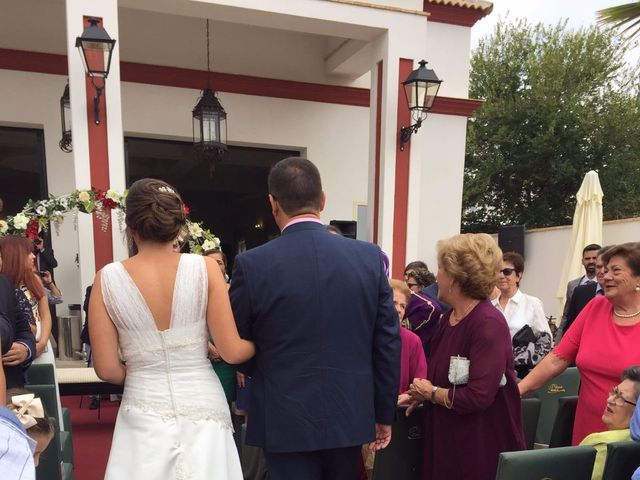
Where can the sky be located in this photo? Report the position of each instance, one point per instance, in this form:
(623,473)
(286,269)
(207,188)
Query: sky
(579,13)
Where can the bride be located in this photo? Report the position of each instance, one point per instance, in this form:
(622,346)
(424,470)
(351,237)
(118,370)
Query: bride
(149,319)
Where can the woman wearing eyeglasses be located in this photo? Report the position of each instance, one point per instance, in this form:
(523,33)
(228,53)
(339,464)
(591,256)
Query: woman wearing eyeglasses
(602,341)
(621,401)
(529,329)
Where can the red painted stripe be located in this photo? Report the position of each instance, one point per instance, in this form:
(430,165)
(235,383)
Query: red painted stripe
(224,82)
(99,168)
(376,173)
(401,194)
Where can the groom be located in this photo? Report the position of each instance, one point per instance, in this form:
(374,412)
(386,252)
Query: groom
(320,311)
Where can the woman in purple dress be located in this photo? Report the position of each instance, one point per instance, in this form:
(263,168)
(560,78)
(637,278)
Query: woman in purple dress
(472,402)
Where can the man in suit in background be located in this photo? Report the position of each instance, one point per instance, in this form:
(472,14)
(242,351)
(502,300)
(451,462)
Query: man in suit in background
(583,294)
(589,255)
(320,311)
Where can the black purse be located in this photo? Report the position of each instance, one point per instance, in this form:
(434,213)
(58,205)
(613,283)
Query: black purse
(524,337)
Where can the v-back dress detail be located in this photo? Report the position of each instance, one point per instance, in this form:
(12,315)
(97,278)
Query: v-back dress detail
(174,421)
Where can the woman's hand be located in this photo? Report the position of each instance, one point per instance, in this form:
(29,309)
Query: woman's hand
(213,352)
(420,390)
(40,347)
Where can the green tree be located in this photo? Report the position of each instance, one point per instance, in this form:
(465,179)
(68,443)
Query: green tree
(627,15)
(558,103)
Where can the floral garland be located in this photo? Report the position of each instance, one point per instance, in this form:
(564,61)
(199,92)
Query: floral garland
(36,216)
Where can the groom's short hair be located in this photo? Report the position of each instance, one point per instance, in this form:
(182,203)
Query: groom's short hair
(295,183)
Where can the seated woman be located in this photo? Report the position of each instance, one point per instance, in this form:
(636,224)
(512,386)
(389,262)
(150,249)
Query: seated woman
(528,327)
(617,417)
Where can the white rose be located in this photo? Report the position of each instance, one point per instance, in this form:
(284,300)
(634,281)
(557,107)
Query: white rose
(208,245)
(112,195)
(20,221)
(4,227)
(216,242)
(41,210)
(84,196)
(195,230)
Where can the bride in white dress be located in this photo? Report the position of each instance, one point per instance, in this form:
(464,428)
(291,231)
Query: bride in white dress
(151,317)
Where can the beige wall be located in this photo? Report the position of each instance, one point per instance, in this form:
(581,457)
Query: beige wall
(546,250)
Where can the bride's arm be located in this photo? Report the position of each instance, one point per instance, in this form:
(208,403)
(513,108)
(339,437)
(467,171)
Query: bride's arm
(222,326)
(104,339)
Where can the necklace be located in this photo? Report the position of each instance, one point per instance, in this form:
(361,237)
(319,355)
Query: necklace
(626,315)
(466,311)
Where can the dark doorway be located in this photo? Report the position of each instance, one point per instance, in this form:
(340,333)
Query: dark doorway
(23,174)
(232,202)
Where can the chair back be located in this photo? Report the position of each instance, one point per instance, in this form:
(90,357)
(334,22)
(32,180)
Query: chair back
(623,458)
(530,414)
(40,373)
(575,463)
(403,457)
(564,385)
(563,424)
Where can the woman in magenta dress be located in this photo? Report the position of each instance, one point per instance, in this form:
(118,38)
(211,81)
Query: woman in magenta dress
(473,413)
(602,341)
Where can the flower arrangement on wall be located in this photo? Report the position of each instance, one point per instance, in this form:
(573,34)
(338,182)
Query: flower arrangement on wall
(37,215)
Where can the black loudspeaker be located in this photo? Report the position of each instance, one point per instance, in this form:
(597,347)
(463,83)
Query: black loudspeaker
(348,228)
(511,239)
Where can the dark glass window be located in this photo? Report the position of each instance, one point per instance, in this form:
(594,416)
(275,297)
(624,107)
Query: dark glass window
(232,202)
(23,174)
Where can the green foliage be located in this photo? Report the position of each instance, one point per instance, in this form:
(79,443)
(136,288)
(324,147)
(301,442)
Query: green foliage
(558,103)
(627,15)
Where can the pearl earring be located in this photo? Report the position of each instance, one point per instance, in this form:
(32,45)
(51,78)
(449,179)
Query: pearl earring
(637,288)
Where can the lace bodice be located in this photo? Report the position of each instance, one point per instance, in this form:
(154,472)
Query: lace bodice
(168,373)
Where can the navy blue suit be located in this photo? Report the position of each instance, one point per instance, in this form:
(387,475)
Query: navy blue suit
(320,311)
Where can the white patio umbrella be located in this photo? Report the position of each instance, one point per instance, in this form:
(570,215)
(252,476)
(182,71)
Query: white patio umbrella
(587,229)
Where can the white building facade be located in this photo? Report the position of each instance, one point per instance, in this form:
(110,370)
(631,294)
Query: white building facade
(321,77)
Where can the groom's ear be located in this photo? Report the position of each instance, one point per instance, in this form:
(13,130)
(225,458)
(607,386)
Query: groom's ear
(275,207)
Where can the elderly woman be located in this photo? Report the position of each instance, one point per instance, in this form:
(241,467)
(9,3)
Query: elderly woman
(473,409)
(528,327)
(618,411)
(602,341)
(423,312)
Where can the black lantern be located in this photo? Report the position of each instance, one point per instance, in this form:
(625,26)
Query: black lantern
(209,122)
(420,88)
(96,49)
(65,143)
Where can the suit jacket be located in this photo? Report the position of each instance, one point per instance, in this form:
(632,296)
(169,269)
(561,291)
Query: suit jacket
(14,327)
(320,311)
(46,260)
(582,295)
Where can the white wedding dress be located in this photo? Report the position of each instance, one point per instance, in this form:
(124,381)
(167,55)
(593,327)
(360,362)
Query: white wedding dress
(174,421)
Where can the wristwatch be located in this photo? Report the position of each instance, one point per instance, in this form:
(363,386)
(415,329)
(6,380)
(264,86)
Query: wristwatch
(433,394)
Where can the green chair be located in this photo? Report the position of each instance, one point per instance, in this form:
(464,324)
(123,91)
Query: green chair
(563,424)
(564,385)
(403,457)
(530,415)
(40,374)
(575,463)
(623,458)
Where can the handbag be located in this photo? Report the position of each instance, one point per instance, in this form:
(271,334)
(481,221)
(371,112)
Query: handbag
(524,337)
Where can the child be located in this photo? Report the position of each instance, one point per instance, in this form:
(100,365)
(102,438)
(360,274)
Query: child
(33,418)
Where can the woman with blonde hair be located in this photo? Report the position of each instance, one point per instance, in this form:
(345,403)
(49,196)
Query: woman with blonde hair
(473,406)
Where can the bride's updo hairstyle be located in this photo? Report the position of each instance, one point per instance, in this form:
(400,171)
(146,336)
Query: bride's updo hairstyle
(154,210)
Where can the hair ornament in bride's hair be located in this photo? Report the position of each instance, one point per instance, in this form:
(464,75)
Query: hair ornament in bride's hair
(28,409)
(165,189)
